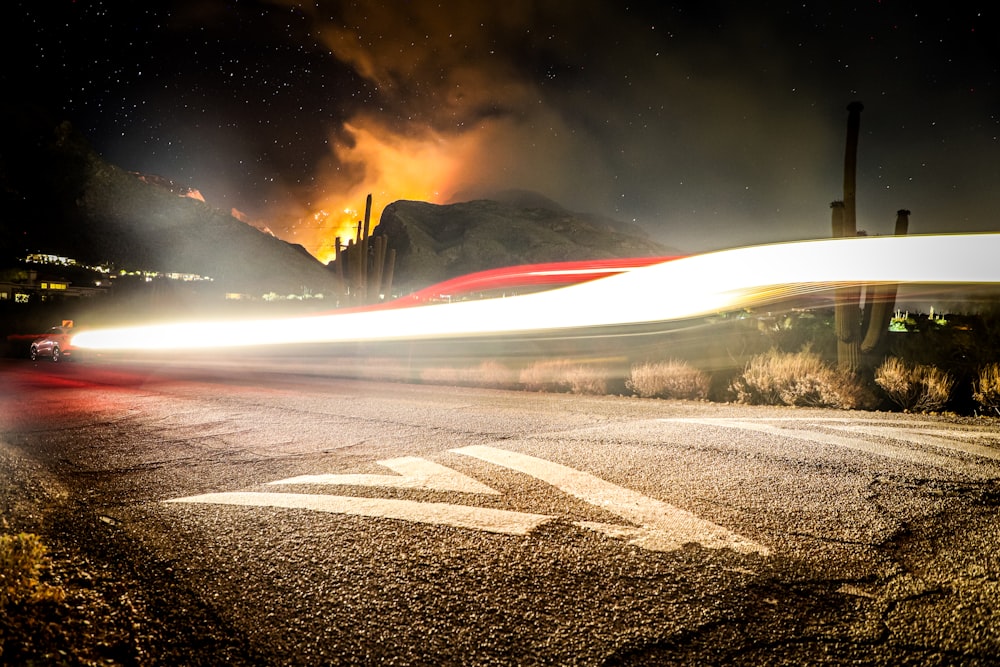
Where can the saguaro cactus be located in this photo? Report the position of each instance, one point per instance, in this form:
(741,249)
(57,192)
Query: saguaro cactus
(880,300)
(846,313)
(859,333)
(844,220)
(854,110)
(364,263)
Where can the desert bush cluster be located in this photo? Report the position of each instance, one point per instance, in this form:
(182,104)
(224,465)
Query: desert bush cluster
(986,390)
(786,359)
(914,387)
(562,375)
(551,375)
(668,379)
(489,373)
(799,379)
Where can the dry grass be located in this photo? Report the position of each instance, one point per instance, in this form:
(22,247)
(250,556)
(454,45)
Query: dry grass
(491,374)
(544,375)
(917,387)
(554,375)
(800,379)
(986,389)
(22,560)
(561,375)
(30,630)
(583,379)
(668,379)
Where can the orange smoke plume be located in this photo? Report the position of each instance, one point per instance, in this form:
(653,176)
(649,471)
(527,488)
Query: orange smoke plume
(433,166)
(389,166)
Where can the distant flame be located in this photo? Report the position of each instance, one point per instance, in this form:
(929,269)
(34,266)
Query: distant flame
(429,165)
(390,167)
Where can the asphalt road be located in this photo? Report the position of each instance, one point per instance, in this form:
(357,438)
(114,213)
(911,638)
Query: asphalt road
(274,518)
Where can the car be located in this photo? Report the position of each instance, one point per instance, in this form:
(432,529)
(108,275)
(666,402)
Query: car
(55,344)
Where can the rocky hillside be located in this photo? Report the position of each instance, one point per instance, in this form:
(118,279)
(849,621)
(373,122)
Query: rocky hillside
(437,242)
(57,196)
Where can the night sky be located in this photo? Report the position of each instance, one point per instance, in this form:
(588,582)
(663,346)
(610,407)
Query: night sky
(712,124)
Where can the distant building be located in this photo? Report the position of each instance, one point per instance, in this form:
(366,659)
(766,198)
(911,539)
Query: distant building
(31,286)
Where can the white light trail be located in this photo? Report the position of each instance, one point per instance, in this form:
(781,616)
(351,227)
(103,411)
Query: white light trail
(682,288)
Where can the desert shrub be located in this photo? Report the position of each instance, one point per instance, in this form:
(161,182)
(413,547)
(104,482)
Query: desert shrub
(668,379)
(914,387)
(564,375)
(31,632)
(545,375)
(986,389)
(486,374)
(586,379)
(22,560)
(800,379)
(492,374)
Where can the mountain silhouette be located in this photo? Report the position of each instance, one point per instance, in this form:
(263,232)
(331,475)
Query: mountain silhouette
(57,196)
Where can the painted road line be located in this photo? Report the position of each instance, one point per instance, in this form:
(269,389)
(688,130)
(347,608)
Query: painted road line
(877,448)
(413,473)
(660,526)
(458,516)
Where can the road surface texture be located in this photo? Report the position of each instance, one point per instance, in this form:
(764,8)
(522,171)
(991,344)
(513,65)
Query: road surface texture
(214,515)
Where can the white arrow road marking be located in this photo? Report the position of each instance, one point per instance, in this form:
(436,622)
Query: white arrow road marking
(871,447)
(459,516)
(661,527)
(414,473)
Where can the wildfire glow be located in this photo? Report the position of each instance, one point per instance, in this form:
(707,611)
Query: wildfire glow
(683,288)
(390,167)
